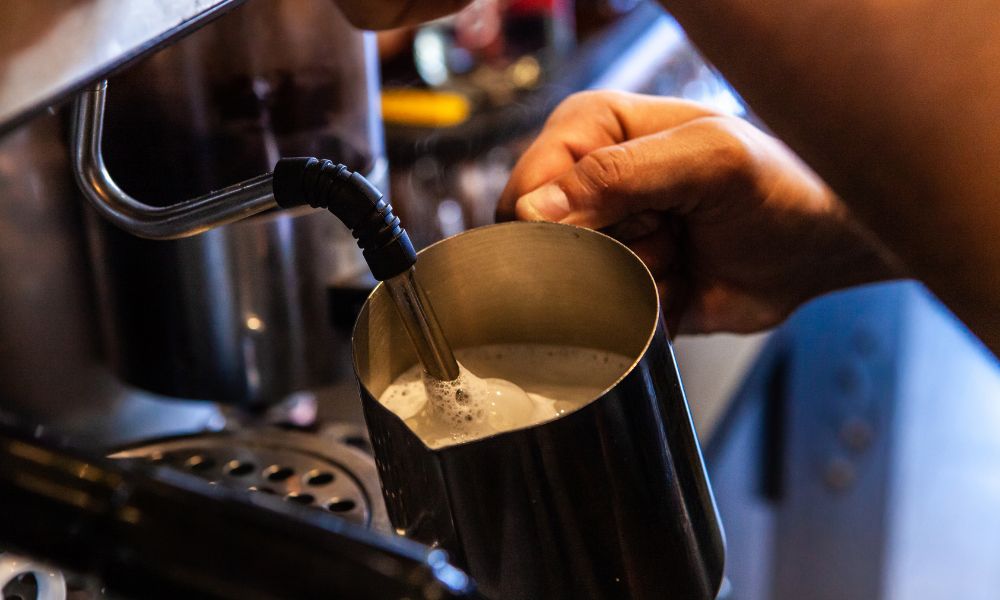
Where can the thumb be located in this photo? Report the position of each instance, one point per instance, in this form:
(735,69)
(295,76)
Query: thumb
(584,194)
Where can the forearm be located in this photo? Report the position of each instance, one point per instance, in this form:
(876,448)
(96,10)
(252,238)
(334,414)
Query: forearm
(897,106)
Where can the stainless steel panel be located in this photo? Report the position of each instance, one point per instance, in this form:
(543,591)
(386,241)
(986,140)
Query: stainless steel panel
(50,363)
(238,314)
(50,49)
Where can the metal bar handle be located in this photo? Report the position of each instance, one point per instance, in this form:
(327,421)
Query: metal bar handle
(180,220)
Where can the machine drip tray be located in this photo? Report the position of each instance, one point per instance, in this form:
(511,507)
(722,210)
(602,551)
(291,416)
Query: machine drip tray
(324,470)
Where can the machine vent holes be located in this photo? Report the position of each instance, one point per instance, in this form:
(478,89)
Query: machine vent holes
(278,473)
(340,505)
(300,498)
(317,478)
(360,443)
(199,463)
(239,468)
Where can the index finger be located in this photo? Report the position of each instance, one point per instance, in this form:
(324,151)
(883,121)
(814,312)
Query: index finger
(585,122)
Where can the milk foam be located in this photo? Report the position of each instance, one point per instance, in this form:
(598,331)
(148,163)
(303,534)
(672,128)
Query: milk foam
(483,400)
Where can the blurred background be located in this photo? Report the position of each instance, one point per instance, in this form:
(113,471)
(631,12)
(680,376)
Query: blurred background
(854,451)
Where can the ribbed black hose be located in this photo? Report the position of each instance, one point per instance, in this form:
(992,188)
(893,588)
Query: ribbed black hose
(355,201)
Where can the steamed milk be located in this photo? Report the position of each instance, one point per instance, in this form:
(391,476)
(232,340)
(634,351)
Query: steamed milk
(499,388)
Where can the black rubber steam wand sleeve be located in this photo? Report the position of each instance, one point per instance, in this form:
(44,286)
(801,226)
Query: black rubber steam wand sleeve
(355,201)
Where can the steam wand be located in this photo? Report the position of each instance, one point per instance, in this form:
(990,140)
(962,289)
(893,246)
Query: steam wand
(295,181)
(385,245)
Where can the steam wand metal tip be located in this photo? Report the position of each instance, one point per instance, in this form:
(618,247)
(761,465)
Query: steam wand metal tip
(422,325)
(385,244)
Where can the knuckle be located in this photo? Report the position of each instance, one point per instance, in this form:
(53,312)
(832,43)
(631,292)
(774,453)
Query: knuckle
(728,148)
(583,102)
(590,97)
(606,168)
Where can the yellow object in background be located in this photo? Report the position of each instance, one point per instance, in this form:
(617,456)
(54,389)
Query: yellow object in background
(424,108)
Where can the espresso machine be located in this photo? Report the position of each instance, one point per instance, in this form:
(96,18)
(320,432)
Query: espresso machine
(162,307)
(139,303)
(238,315)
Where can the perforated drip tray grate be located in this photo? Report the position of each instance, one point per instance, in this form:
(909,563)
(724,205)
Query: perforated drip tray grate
(22,587)
(317,470)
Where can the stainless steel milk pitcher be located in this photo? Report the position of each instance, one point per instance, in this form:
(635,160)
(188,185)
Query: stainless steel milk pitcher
(609,501)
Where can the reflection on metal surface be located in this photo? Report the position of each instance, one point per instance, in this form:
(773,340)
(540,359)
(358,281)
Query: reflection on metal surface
(50,49)
(634,67)
(610,501)
(420,322)
(238,314)
(47,317)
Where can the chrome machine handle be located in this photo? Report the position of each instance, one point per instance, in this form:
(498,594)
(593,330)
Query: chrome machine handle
(180,220)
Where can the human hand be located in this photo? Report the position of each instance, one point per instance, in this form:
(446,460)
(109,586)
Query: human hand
(388,14)
(735,229)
